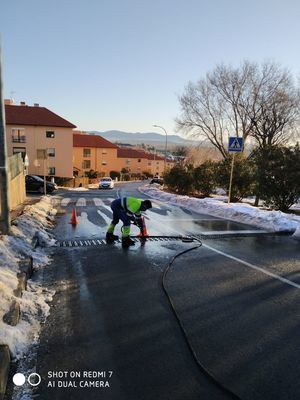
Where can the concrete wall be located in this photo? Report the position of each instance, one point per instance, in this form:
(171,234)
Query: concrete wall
(16,181)
(35,138)
(17,192)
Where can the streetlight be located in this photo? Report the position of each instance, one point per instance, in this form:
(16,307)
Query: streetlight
(161,127)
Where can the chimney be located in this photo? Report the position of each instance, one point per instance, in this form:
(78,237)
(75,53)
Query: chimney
(22,103)
(36,104)
(8,102)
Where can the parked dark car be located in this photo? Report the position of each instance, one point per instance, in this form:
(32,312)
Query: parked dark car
(157,179)
(36,184)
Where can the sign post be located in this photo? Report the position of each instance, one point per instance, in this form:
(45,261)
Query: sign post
(235,145)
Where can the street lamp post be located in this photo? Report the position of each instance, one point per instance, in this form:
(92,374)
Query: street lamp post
(166,144)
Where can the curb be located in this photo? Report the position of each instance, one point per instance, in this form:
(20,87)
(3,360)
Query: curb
(12,317)
(4,368)
(35,240)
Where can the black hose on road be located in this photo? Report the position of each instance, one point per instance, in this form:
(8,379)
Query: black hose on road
(173,309)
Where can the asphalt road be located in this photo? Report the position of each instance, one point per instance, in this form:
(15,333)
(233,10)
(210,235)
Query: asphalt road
(237,297)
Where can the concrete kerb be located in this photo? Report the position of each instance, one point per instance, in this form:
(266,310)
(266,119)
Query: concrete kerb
(12,318)
(4,368)
(35,240)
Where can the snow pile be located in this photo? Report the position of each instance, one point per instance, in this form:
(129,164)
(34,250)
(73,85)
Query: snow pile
(36,220)
(78,189)
(240,212)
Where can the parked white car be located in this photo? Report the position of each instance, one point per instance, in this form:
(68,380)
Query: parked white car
(106,183)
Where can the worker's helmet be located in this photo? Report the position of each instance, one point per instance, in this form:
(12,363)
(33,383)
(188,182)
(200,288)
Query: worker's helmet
(145,205)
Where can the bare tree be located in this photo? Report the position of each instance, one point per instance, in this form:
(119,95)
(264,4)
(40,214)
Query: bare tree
(274,113)
(261,102)
(203,114)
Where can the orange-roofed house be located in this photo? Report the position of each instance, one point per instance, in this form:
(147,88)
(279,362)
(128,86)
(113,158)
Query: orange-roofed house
(133,160)
(138,161)
(36,131)
(93,152)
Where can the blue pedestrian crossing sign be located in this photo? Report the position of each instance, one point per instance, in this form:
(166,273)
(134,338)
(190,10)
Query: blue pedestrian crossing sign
(235,144)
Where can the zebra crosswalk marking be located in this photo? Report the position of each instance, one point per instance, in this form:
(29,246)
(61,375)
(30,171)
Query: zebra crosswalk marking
(104,216)
(97,201)
(81,202)
(65,201)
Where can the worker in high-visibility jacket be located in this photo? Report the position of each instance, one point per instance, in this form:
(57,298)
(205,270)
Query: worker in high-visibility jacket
(126,209)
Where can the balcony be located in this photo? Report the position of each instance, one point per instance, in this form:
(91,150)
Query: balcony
(19,139)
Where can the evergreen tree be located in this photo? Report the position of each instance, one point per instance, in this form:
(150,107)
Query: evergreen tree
(278,175)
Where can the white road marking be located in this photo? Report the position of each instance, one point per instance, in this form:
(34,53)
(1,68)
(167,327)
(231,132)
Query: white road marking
(65,201)
(97,201)
(232,233)
(105,217)
(280,278)
(81,202)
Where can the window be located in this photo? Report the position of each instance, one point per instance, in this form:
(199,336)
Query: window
(86,153)
(51,152)
(21,150)
(86,164)
(104,162)
(139,160)
(157,162)
(51,171)
(18,135)
(149,163)
(127,162)
(50,134)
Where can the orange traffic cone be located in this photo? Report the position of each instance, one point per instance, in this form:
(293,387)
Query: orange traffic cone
(143,232)
(73,220)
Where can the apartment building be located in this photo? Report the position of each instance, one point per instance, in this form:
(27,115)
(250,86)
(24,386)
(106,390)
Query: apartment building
(93,152)
(45,137)
(134,161)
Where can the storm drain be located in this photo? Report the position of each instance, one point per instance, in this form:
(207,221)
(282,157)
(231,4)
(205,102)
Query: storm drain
(202,236)
(99,242)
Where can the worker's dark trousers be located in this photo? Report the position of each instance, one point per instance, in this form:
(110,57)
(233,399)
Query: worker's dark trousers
(119,213)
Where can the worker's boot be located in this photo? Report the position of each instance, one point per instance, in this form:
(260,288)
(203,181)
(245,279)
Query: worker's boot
(127,241)
(110,237)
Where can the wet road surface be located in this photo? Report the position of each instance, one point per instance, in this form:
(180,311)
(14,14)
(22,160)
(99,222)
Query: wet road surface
(237,298)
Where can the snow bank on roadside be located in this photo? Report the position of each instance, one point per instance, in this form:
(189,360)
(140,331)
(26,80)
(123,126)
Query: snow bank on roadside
(39,219)
(239,212)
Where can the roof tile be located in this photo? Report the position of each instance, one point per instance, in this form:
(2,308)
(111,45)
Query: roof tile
(80,140)
(37,116)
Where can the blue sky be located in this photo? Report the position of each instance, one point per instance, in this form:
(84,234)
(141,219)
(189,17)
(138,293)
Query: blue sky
(120,64)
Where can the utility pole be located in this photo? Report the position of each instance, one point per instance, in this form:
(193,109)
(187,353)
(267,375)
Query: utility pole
(4,195)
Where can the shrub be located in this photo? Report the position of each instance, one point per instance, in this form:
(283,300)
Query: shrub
(179,179)
(278,176)
(204,178)
(115,174)
(147,174)
(243,177)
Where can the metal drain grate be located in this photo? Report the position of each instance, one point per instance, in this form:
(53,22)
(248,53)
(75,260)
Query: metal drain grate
(202,236)
(99,242)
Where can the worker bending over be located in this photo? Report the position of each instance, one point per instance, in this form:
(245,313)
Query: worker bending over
(126,209)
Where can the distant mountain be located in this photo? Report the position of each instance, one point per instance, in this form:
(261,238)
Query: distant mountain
(147,138)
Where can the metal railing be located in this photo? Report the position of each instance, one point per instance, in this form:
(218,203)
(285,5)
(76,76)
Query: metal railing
(19,139)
